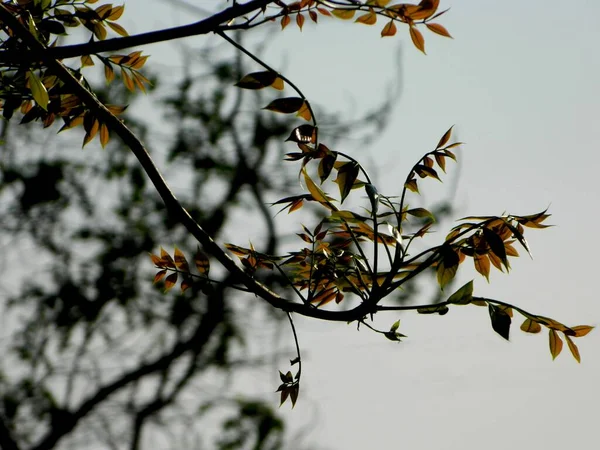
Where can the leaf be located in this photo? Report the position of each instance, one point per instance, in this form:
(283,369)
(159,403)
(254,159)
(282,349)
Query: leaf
(104,135)
(463,296)
(421,213)
(116,13)
(496,245)
(159,276)
(86,60)
(344,14)
(118,29)
(285,20)
(424,171)
(286,105)
(417,38)
(395,325)
(441,160)
(573,348)
(531,326)
(445,138)
(202,262)
(482,265)
(316,192)
(556,343)
(325,166)
(304,112)
(257,80)
(500,321)
(411,185)
(369,18)
(170,281)
(447,267)
(300,20)
(180,261)
(581,330)
(127,81)
(433,309)
(389,29)
(285,392)
(166,259)
(38,90)
(109,73)
(294,391)
(438,29)
(346,177)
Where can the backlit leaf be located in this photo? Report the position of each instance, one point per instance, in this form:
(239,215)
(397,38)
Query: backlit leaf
(369,18)
(582,330)
(447,267)
(421,213)
(500,321)
(304,112)
(38,90)
(180,261)
(496,245)
(556,343)
(482,265)
(463,296)
(286,105)
(438,29)
(389,29)
(531,326)
(573,348)
(345,14)
(441,160)
(170,281)
(316,192)
(285,20)
(159,276)
(104,135)
(257,80)
(326,165)
(347,174)
(411,185)
(300,20)
(417,38)
(445,138)
(202,262)
(118,29)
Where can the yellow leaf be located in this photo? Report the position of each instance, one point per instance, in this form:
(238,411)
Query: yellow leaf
(317,193)
(300,20)
(118,29)
(389,29)
(530,326)
(304,112)
(582,330)
(104,135)
(109,73)
(38,90)
(278,84)
(116,12)
(369,18)
(556,343)
(345,14)
(180,260)
(202,263)
(417,38)
(86,60)
(573,348)
(159,276)
(438,29)
(482,265)
(127,81)
(170,281)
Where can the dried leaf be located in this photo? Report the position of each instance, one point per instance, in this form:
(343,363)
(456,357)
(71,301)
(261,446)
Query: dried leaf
(389,29)
(417,38)
(556,343)
(438,29)
(531,326)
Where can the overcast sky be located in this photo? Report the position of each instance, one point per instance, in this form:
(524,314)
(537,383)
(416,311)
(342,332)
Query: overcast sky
(520,80)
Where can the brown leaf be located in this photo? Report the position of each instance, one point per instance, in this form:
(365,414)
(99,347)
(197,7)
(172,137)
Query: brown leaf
(345,14)
(556,343)
(530,326)
(202,262)
(170,281)
(159,276)
(285,20)
(417,38)
(389,29)
(286,105)
(438,29)
(573,348)
(180,261)
(582,330)
(445,138)
(369,18)
(300,20)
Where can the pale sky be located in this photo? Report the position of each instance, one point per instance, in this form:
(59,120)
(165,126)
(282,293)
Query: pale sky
(520,80)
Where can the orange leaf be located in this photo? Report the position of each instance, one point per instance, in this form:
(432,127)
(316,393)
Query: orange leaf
(304,112)
(344,14)
(159,276)
(369,18)
(300,20)
(574,349)
(417,38)
(104,135)
(582,330)
(180,261)
(389,29)
(285,20)
(438,29)
(556,343)
(202,263)
(170,281)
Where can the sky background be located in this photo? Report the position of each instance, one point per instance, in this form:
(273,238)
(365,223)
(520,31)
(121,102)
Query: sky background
(520,82)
